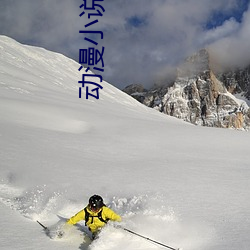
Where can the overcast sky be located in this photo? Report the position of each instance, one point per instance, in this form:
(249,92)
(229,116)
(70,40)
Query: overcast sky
(143,39)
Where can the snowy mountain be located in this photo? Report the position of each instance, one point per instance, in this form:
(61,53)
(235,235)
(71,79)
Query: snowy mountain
(201,96)
(182,185)
(237,81)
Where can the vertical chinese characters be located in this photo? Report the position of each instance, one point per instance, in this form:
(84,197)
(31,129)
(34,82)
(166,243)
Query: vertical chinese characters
(91,56)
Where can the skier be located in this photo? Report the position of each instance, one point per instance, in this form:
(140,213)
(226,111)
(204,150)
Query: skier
(95,214)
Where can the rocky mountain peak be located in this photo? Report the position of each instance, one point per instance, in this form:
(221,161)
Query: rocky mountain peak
(202,97)
(196,64)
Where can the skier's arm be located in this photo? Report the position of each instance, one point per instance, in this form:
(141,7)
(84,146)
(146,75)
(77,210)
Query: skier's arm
(110,214)
(77,217)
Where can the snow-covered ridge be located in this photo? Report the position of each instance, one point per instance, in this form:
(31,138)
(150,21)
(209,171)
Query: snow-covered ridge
(38,69)
(31,73)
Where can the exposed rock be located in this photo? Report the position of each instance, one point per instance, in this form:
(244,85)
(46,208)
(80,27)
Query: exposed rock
(201,97)
(237,81)
(137,91)
(133,88)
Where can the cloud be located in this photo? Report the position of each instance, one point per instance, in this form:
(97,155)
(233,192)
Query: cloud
(233,49)
(143,39)
(228,28)
(170,31)
(52,24)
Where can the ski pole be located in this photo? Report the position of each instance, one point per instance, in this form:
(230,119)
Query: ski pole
(146,238)
(45,228)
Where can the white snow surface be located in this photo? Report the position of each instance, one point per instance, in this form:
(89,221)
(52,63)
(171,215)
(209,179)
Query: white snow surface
(182,185)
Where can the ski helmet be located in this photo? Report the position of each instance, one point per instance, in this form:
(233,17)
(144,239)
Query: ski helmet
(95,202)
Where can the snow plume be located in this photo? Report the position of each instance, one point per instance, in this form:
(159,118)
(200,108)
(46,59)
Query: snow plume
(33,203)
(147,215)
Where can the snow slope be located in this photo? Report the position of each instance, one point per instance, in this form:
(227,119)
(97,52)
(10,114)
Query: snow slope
(176,183)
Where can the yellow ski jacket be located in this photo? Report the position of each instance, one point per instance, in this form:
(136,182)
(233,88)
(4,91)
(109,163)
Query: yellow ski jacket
(94,223)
